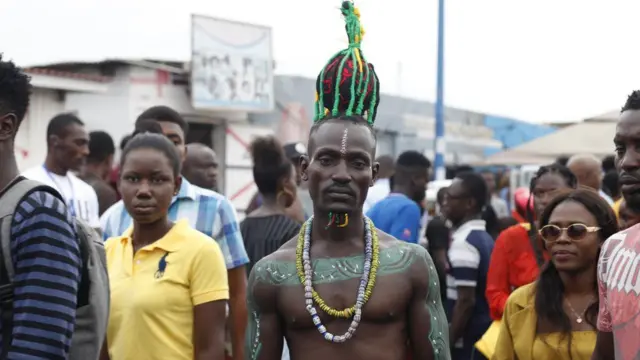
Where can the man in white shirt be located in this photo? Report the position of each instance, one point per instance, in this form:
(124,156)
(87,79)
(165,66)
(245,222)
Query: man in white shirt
(382,187)
(67,149)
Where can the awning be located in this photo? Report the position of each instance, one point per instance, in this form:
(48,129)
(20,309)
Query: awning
(590,137)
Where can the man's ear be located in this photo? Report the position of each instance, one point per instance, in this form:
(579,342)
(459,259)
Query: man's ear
(374,173)
(8,126)
(178,184)
(304,165)
(53,141)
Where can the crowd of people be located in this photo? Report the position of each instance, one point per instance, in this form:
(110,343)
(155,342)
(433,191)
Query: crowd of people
(143,258)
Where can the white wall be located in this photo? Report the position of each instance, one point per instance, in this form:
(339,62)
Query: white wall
(107,111)
(132,90)
(31,147)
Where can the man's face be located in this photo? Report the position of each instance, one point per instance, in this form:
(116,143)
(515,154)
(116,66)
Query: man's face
(340,168)
(420,181)
(201,167)
(174,132)
(627,145)
(457,201)
(490,180)
(71,149)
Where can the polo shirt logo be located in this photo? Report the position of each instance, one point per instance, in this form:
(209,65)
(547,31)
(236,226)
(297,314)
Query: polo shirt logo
(162,265)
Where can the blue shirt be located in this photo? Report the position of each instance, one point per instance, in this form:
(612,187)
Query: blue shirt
(398,216)
(469,256)
(206,210)
(48,267)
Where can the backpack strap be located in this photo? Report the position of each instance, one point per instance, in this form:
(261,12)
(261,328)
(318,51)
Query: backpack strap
(11,198)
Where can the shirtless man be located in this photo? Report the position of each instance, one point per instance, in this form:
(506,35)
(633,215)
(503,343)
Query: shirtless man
(342,252)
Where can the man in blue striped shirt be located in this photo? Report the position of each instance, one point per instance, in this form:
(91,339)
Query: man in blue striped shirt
(44,245)
(208,212)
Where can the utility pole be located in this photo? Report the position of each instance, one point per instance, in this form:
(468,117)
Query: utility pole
(440,143)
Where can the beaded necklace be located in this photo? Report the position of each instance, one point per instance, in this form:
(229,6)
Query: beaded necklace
(305,273)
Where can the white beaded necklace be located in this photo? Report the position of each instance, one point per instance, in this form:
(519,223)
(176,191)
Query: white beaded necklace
(308,285)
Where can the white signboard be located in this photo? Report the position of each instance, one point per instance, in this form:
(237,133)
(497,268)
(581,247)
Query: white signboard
(231,66)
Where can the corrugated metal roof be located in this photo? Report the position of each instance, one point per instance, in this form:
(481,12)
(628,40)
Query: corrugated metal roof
(67,74)
(176,67)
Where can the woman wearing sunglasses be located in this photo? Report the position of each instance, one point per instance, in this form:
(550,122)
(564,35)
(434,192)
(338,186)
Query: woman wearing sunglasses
(555,317)
(518,254)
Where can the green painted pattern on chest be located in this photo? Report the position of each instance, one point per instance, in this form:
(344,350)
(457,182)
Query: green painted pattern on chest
(393,260)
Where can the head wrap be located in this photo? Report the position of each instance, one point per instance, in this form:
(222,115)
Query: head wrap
(348,84)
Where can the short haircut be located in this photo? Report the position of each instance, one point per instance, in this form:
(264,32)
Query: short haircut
(475,186)
(408,163)
(15,90)
(609,163)
(156,142)
(633,101)
(60,123)
(413,159)
(562,160)
(164,113)
(147,126)
(101,146)
(387,165)
(353,119)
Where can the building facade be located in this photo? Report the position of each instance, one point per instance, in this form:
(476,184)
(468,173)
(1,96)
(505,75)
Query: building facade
(110,95)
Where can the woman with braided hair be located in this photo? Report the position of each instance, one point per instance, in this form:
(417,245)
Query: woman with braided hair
(341,289)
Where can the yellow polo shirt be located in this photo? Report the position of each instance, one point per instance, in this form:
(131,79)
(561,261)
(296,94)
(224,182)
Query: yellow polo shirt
(153,292)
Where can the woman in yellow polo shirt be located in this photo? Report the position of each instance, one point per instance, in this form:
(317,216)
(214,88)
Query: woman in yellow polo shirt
(555,317)
(168,281)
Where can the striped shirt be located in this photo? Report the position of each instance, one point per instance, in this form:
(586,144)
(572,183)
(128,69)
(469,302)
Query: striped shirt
(265,234)
(207,211)
(469,255)
(48,268)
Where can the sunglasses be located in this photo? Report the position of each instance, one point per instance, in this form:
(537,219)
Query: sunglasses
(551,233)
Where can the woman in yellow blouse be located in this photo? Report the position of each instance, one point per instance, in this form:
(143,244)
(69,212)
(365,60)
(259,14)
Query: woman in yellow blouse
(554,318)
(168,281)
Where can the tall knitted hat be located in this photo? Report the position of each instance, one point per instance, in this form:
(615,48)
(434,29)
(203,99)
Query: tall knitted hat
(348,84)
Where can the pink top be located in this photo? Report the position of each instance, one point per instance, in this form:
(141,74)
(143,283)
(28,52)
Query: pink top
(619,289)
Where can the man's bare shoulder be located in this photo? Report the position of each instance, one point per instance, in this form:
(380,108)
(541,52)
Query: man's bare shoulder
(277,268)
(397,252)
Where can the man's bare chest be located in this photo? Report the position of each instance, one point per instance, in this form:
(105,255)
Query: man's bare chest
(388,301)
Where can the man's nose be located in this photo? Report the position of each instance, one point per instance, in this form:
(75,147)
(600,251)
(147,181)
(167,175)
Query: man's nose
(341,174)
(630,160)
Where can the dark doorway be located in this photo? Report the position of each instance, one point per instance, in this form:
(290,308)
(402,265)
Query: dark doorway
(200,133)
